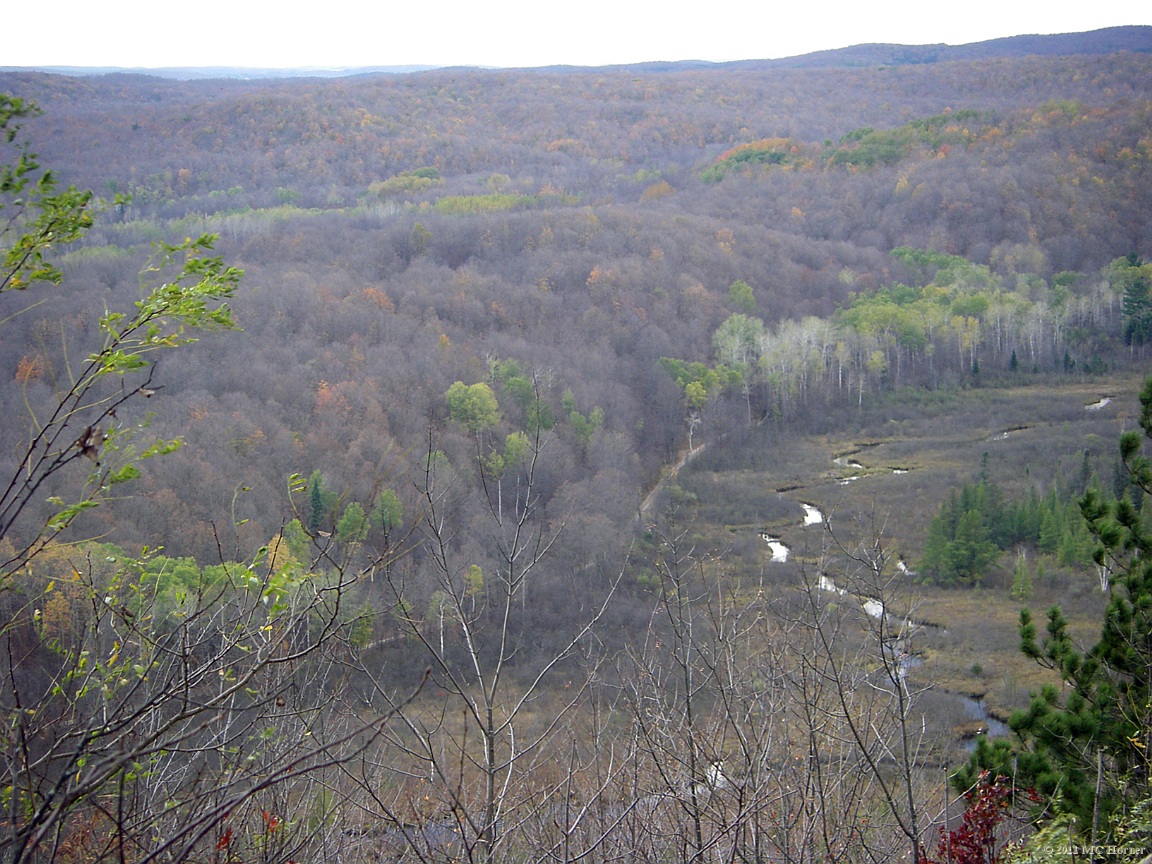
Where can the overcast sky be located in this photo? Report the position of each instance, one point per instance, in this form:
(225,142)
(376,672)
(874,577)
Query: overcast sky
(340,33)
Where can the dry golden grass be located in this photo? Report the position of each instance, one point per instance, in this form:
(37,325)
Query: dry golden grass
(905,456)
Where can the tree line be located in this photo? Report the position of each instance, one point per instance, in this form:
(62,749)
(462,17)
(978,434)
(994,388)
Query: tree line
(957,325)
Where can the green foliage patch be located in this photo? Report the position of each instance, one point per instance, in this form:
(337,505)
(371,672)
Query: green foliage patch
(977,523)
(495,202)
(406,183)
(868,148)
(766,151)
(863,148)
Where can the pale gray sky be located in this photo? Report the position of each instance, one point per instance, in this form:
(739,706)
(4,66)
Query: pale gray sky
(338,33)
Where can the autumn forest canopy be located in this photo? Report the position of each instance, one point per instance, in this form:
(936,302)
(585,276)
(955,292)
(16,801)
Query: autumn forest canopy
(437,421)
(398,233)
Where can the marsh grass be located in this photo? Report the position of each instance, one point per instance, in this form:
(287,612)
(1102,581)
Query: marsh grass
(913,448)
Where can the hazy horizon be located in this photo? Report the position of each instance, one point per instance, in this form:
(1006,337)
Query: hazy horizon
(507,34)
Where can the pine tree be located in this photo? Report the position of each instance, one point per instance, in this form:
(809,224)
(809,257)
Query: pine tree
(1085,744)
(936,559)
(972,550)
(1049,538)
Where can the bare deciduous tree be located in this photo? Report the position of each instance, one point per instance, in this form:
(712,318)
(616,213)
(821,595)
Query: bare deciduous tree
(479,746)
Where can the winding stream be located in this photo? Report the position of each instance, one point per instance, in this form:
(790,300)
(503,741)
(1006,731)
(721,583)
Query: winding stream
(977,712)
(980,721)
(779,550)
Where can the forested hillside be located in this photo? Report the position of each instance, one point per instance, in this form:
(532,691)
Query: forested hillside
(484,316)
(400,233)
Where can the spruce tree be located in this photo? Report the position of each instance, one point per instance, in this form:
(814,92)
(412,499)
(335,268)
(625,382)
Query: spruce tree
(318,503)
(1133,276)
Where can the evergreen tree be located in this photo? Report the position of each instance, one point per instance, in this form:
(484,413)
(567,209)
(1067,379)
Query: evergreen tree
(972,550)
(1049,539)
(1133,278)
(320,503)
(1077,545)
(967,535)
(1026,519)
(1085,744)
(1086,473)
(937,559)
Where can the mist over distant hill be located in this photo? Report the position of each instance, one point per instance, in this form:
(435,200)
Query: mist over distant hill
(1107,41)
(1137,38)
(203,73)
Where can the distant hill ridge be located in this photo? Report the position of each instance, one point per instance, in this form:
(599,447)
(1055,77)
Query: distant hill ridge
(204,73)
(1135,38)
(1107,41)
